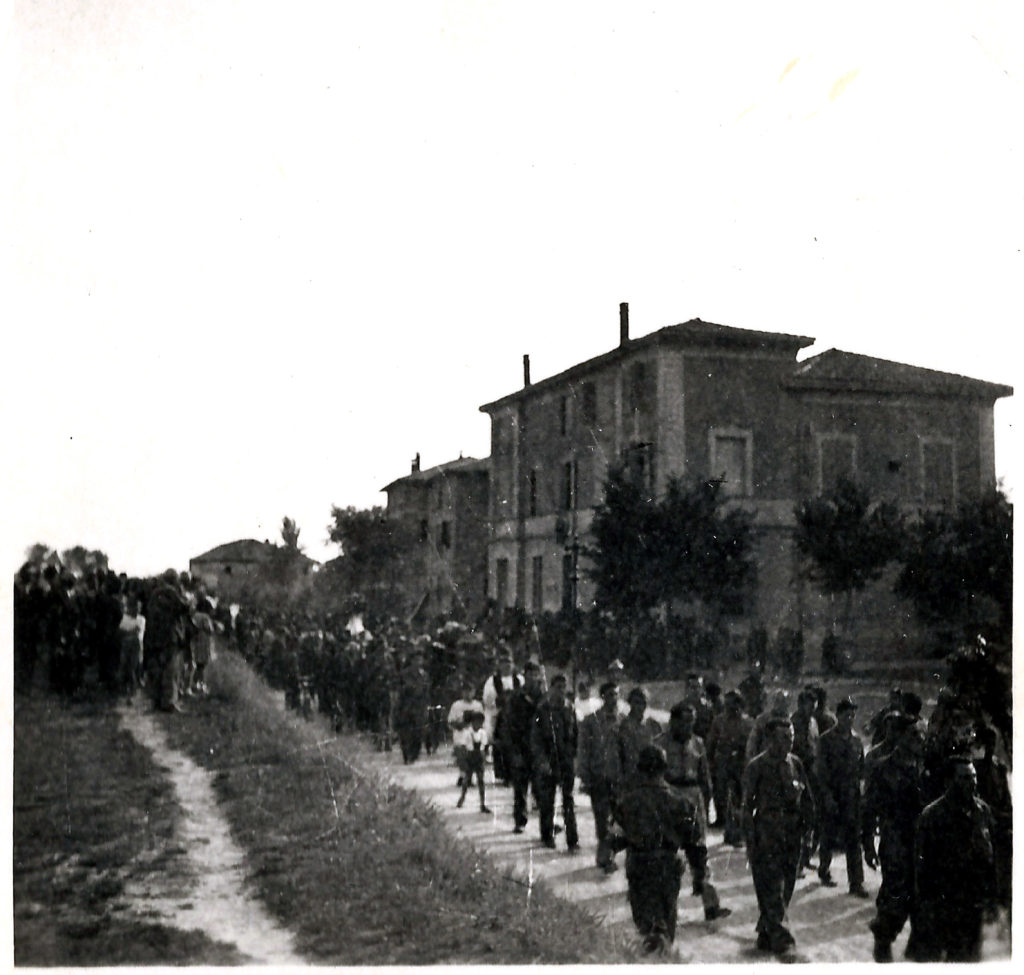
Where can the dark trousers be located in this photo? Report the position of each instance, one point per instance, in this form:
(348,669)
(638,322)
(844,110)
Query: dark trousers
(654,879)
(544,787)
(774,863)
(945,930)
(896,895)
(520,777)
(602,798)
(841,836)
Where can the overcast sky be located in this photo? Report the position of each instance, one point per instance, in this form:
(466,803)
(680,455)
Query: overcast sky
(264,253)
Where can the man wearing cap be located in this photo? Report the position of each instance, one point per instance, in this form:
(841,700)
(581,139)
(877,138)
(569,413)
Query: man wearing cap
(955,880)
(516,730)
(892,803)
(636,731)
(726,744)
(876,723)
(840,773)
(553,741)
(654,821)
(778,809)
(600,767)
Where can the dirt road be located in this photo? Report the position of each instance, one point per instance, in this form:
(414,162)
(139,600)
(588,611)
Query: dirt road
(829,924)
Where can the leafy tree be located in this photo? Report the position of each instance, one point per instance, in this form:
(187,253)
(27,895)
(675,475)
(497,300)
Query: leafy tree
(648,552)
(290,534)
(625,534)
(81,560)
(957,568)
(372,550)
(39,554)
(705,551)
(846,541)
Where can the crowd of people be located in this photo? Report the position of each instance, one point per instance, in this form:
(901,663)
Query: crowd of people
(116,634)
(926,802)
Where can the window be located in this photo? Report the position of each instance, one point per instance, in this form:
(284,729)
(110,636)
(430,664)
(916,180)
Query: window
(563,415)
(568,584)
(641,388)
(424,530)
(446,534)
(731,456)
(640,464)
(501,581)
(538,584)
(837,458)
(569,485)
(533,492)
(938,473)
(588,404)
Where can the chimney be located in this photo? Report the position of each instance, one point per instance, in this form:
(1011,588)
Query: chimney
(526,370)
(623,323)
(416,463)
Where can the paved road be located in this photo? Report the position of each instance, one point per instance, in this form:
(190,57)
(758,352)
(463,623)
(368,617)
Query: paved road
(829,925)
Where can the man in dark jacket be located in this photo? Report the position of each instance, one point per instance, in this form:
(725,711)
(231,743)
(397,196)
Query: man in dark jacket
(840,773)
(892,803)
(553,740)
(167,612)
(955,879)
(515,731)
(654,820)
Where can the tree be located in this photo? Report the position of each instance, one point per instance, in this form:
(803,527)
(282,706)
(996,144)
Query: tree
(39,554)
(372,550)
(957,568)
(621,558)
(706,551)
(290,534)
(685,547)
(82,561)
(846,540)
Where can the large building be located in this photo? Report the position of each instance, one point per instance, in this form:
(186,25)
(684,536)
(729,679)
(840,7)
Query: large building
(705,400)
(444,514)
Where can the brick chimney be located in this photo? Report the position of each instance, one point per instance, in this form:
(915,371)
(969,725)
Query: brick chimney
(416,463)
(623,323)
(526,370)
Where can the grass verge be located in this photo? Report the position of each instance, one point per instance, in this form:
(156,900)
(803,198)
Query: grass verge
(363,871)
(87,802)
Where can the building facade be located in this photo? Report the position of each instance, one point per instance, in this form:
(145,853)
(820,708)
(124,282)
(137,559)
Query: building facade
(443,513)
(711,401)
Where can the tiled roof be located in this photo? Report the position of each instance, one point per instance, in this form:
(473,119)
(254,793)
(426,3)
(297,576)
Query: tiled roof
(694,334)
(464,465)
(839,371)
(244,550)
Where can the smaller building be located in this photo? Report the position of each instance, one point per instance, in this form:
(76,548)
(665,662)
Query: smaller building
(229,566)
(443,511)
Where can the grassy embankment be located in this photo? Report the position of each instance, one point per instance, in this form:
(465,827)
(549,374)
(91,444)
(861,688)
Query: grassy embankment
(91,811)
(362,871)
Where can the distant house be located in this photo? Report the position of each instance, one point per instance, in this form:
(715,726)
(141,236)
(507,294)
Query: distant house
(711,401)
(229,565)
(444,512)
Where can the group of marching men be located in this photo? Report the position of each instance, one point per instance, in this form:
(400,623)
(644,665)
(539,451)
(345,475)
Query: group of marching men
(928,804)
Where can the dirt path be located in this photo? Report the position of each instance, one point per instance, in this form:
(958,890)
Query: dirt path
(829,925)
(206,891)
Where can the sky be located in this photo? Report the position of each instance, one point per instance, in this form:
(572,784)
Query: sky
(263,254)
